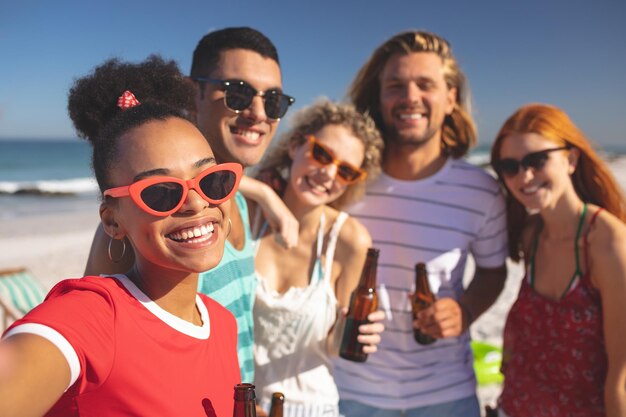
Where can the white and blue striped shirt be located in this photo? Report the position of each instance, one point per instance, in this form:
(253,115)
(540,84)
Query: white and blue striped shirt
(440,220)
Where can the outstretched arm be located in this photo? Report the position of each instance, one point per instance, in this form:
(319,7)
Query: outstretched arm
(33,375)
(279,217)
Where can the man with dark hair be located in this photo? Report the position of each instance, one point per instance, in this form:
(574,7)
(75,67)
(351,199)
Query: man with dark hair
(206,56)
(238,104)
(428,206)
(232,66)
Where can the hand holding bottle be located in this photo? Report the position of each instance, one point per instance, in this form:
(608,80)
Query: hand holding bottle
(421,299)
(363,302)
(444,318)
(370,333)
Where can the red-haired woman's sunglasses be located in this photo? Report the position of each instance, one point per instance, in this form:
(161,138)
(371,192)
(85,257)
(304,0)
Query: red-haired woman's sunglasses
(162,196)
(509,167)
(345,172)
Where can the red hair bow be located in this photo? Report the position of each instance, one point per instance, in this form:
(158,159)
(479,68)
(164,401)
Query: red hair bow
(127,100)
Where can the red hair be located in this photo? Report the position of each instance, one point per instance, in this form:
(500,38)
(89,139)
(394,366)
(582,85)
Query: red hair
(592,179)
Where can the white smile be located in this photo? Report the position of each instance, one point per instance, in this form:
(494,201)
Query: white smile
(193,234)
(531,189)
(316,187)
(248,135)
(411,116)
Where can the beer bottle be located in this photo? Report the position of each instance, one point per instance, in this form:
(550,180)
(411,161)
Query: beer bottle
(245,401)
(363,301)
(422,298)
(276,409)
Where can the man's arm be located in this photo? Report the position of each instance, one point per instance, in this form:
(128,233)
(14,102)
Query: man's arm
(481,293)
(277,214)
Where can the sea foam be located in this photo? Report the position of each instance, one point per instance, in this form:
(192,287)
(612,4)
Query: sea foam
(72,186)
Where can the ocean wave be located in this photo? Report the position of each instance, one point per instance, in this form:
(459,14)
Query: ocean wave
(479,158)
(72,186)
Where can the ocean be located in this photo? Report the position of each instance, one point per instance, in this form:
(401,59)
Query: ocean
(48,175)
(58,173)
(45,167)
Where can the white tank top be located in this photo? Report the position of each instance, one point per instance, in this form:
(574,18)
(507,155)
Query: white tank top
(290,332)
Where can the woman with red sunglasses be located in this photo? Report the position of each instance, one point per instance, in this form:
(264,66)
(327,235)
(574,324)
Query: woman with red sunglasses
(319,166)
(144,342)
(564,349)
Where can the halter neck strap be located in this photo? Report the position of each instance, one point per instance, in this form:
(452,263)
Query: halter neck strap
(577,272)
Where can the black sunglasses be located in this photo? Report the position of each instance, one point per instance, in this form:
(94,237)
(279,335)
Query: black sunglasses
(238,96)
(509,167)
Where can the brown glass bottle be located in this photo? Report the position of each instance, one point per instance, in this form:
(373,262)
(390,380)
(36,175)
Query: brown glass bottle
(245,401)
(363,301)
(422,298)
(276,409)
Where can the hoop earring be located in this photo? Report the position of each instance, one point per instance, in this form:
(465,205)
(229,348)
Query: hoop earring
(123,250)
(230,229)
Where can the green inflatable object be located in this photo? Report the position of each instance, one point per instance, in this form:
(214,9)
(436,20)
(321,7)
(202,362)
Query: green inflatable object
(487,361)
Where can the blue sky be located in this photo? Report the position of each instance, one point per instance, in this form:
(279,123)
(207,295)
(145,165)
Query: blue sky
(570,53)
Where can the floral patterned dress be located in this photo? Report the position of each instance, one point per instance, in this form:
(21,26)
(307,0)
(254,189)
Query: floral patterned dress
(555,358)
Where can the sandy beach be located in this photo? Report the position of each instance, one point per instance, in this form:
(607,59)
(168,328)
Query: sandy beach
(51,242)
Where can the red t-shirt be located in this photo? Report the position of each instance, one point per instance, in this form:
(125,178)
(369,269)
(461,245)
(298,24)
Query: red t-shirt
(135,358)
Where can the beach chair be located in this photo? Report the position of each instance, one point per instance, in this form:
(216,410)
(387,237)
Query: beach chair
(19,293)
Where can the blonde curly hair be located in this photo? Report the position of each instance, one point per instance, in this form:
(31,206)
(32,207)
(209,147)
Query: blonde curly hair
(310,120)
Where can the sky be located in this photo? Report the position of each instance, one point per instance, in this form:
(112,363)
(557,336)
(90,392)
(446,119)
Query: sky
(569,53)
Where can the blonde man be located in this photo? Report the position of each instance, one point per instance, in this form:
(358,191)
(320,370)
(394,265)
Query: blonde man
(428,205)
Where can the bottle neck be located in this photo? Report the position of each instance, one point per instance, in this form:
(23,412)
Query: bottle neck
(245,404)
(421,280)
(368,276)
(276,409)
(422,286)
(244,394)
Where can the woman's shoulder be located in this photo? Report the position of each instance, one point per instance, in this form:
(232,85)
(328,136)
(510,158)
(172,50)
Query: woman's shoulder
(606,240)
(104,285)
(605,232)
(353,236)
